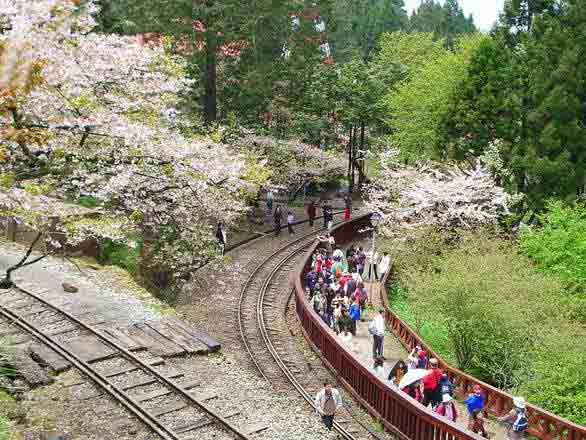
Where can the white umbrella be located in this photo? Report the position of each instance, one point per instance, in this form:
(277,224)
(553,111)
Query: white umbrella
(413,376)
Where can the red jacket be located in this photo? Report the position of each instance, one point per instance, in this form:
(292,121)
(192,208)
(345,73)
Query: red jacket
(431,381)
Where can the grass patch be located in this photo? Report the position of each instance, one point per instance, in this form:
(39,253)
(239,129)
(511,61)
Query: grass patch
(121,255)
(88,201)
(433,332)
(488,310)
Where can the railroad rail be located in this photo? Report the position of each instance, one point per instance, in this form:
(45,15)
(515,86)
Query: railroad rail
(261,301)
(30,305)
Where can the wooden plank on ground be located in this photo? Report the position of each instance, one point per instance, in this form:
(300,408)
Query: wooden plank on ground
(155,343)
(190,345)
(212,343)
(124,340)
(89,348)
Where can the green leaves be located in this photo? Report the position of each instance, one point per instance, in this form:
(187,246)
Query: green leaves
(559,245)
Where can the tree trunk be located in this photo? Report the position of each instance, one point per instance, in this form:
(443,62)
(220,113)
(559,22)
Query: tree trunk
(361,165)
(350,148)
(210,106)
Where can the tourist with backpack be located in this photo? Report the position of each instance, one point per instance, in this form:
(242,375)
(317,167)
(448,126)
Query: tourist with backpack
(516,419)
(474,401)
(447,408)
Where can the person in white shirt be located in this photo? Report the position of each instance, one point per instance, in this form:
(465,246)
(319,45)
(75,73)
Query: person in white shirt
(327,401)
(384,265)
(371,263)
(376,328)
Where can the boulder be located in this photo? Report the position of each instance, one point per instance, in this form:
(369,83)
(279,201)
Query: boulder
(70,288)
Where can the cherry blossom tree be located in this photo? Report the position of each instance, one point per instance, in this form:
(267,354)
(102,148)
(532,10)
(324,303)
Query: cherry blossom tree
(100,115)
(436,194)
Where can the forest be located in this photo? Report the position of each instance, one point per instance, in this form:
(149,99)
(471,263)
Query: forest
(168,116)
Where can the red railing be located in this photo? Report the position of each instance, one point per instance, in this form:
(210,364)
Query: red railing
(398,412)
(542,424)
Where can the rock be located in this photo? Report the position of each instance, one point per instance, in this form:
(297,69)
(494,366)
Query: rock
(70,288)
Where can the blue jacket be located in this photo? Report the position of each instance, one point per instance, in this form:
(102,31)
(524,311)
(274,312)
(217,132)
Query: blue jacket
(354,312)
(474,402)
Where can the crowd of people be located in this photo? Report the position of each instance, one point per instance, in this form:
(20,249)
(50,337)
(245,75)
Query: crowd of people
(338,294)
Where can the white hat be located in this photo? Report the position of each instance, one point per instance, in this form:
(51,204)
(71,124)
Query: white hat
(519,402)
(446,398)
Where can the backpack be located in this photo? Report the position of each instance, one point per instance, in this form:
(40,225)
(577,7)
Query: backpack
(521,423)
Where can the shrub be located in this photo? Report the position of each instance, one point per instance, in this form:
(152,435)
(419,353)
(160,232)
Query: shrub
(558,246)
(121,255)
(88,201)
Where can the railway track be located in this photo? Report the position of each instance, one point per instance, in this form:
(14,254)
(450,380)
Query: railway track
(263,326)
(157,399)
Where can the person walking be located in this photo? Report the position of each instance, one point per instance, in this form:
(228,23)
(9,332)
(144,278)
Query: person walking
(447,387)
(354,313)
(278,216)
(516,419)
(221,237)
(384,265)
(311,213)
(477,424)
(347,207)
(290,221)
(376,328)
(327,401)
(372,258)
(431,387)
(270,201)
(474,401)
(447,408)
(345,321)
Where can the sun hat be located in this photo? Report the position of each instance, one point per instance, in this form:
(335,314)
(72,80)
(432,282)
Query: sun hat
(433,361)
(446,398)
(519,402)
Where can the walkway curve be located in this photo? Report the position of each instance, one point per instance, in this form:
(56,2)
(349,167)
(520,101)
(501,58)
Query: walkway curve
(397,411)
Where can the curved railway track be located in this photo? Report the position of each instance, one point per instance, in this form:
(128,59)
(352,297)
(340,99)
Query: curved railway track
(30,306)
(263,304)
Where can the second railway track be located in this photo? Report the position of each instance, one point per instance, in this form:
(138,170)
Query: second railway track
(262,322)
(31,313)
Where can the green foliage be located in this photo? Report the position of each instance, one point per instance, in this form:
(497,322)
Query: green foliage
(558,245)
(417,109)
(88,201)
(121,255)
(477,291)
(526,88)
(359,24)
(445,22)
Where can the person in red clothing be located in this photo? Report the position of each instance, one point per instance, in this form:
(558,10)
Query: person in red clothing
(431,385)
(447,408)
